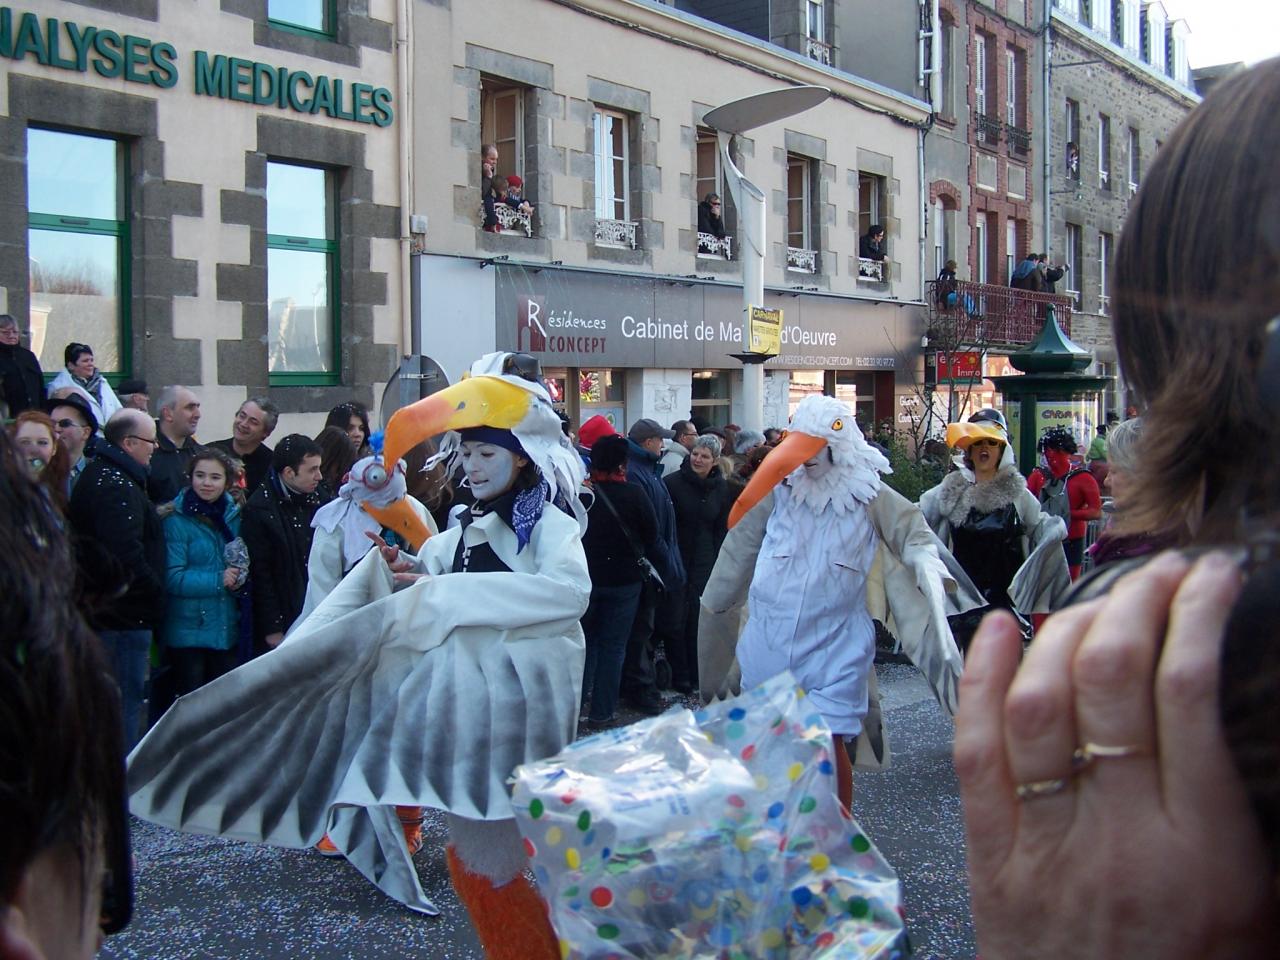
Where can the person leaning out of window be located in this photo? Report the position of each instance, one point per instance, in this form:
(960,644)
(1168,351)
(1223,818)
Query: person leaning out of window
(871,244)
(710,220)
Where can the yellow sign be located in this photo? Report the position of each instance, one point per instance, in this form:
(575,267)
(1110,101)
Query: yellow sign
(766,331)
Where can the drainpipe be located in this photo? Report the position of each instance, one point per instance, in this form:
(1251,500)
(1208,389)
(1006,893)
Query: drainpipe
(404,60)
(1046,123)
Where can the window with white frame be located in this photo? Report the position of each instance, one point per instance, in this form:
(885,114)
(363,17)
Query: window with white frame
(980,247)
(947,82)
(988,172)
(1011,87)
(980,80)
(1104,151)
(1154,40)
(306,16)
(1071,7)
(815,20)
(1178,65)
(1010,248)
(502,124)
(1017,181)
(1100,16)
(944,232)
(1106,244)
(1075,256)
(1129,31)
(1071,117)
(709,178)
(1135,161)
(799,199)
(870,198)
(613,158)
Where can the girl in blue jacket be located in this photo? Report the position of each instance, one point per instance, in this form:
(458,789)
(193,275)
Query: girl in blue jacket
(201,622)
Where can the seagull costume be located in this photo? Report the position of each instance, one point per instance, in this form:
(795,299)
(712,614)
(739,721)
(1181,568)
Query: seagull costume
(428,694)
(812,552)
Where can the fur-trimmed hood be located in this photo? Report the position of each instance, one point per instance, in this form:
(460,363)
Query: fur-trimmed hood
(957,494)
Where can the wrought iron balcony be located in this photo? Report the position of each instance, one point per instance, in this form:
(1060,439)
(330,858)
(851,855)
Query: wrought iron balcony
(1019,140)
(871,270)
(815,49)
(711,246)
(509,218)
(988,315)
(616,233)
(988,128)
(801,260)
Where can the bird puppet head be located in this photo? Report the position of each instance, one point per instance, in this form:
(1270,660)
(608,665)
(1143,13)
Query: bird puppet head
(821,427)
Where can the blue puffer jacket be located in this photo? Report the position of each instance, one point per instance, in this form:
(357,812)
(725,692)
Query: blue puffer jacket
(200,611)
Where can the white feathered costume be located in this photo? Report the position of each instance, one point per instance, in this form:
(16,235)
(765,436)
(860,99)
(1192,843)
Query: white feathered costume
(795,571)
(426,695)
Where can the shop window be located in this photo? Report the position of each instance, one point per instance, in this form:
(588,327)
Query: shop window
(857,388)
(77,247)
(308,16)
(711,396)
(614,226)
(804,383)
(801,248)
(602,392)
(302,271)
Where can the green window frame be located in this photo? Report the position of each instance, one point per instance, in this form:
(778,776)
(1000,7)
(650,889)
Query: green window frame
(61,206)
(300,17)
(302,265)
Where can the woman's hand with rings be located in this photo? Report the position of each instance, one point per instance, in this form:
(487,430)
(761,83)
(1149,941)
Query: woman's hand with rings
(1104,816)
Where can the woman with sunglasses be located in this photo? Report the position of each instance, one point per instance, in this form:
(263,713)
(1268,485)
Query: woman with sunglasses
(994,527)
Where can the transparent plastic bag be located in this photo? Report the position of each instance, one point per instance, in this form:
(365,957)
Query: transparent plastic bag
(236,554)
(707,835)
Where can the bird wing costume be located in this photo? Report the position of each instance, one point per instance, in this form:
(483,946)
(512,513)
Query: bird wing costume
(426,695)
(789,587)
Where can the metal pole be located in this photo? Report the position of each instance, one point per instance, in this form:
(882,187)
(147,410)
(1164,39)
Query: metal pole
(749,199)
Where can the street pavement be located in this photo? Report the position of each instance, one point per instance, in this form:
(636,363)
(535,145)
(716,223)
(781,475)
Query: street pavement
(202,897)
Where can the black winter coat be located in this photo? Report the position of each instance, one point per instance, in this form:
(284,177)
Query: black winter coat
(709,221)
(276,526)
(22,380)
(169,463)
(119,542)
(611,560)
(702,516)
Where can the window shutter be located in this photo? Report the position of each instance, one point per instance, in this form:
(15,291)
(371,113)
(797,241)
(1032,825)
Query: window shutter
(980,73)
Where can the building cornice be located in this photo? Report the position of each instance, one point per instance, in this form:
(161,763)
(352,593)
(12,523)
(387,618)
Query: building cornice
(1138,69)
(736,47)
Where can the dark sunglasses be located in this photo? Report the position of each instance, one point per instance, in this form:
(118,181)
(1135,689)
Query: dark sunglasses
(68,424)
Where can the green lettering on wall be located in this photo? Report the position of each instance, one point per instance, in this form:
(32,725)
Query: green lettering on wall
(110,62)
(6,32)
(163,58)
(323,99)
(242,80)
(30,40)
(361,100)
(81,42)
(263,94)
(212,77)
(53,36)
(384,115)
(137,53)
(299,76)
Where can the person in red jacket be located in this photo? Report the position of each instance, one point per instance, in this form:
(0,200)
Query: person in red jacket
(1067,490)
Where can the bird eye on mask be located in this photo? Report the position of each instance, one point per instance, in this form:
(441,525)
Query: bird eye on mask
(837,424)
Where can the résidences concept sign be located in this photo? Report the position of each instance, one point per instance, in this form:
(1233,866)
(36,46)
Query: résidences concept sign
(67,45)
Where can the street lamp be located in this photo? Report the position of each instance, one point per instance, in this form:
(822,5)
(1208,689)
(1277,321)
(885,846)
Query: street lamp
(738,117)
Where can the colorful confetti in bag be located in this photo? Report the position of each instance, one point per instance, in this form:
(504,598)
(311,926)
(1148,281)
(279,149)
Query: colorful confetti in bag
(708,835)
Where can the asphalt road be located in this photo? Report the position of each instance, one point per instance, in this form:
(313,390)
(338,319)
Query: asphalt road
(201,897)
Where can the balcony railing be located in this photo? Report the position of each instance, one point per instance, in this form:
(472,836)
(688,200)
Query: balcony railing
(802,260)
(1019,140)
(709,245)
(509,218)
(989,315)
(988,128)
(616,233)
(815,49)
(871,270)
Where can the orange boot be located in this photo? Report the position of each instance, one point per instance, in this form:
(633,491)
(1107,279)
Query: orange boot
(511,920)
(411,824)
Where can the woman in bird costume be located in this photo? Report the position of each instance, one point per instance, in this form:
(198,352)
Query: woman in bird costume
(426,684)
(1005,547)
(816,543)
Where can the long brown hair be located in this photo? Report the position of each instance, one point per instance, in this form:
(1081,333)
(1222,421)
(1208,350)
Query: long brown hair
(337,456)
(1197,277)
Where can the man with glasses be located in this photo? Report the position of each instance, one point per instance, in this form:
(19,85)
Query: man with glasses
(676,450)
(73,425)
(121,555)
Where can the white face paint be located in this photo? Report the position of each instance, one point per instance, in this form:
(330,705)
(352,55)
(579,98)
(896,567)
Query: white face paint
(820,465)
(490,470)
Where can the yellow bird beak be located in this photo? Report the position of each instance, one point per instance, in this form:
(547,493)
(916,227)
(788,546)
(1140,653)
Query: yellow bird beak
(795,449)
(472,402)
(962,434)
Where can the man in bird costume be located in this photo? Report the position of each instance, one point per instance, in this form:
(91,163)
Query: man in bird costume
(416,681)
(817,543)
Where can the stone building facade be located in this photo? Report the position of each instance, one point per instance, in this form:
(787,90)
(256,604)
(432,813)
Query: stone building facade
(178,174)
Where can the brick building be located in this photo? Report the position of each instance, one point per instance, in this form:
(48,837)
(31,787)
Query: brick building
(1118,85)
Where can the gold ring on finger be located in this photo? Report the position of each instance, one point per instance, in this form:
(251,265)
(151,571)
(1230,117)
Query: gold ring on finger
(1035,789)
(1085,756)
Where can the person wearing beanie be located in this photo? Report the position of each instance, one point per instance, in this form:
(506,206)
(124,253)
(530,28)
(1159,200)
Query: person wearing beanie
(622,533)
